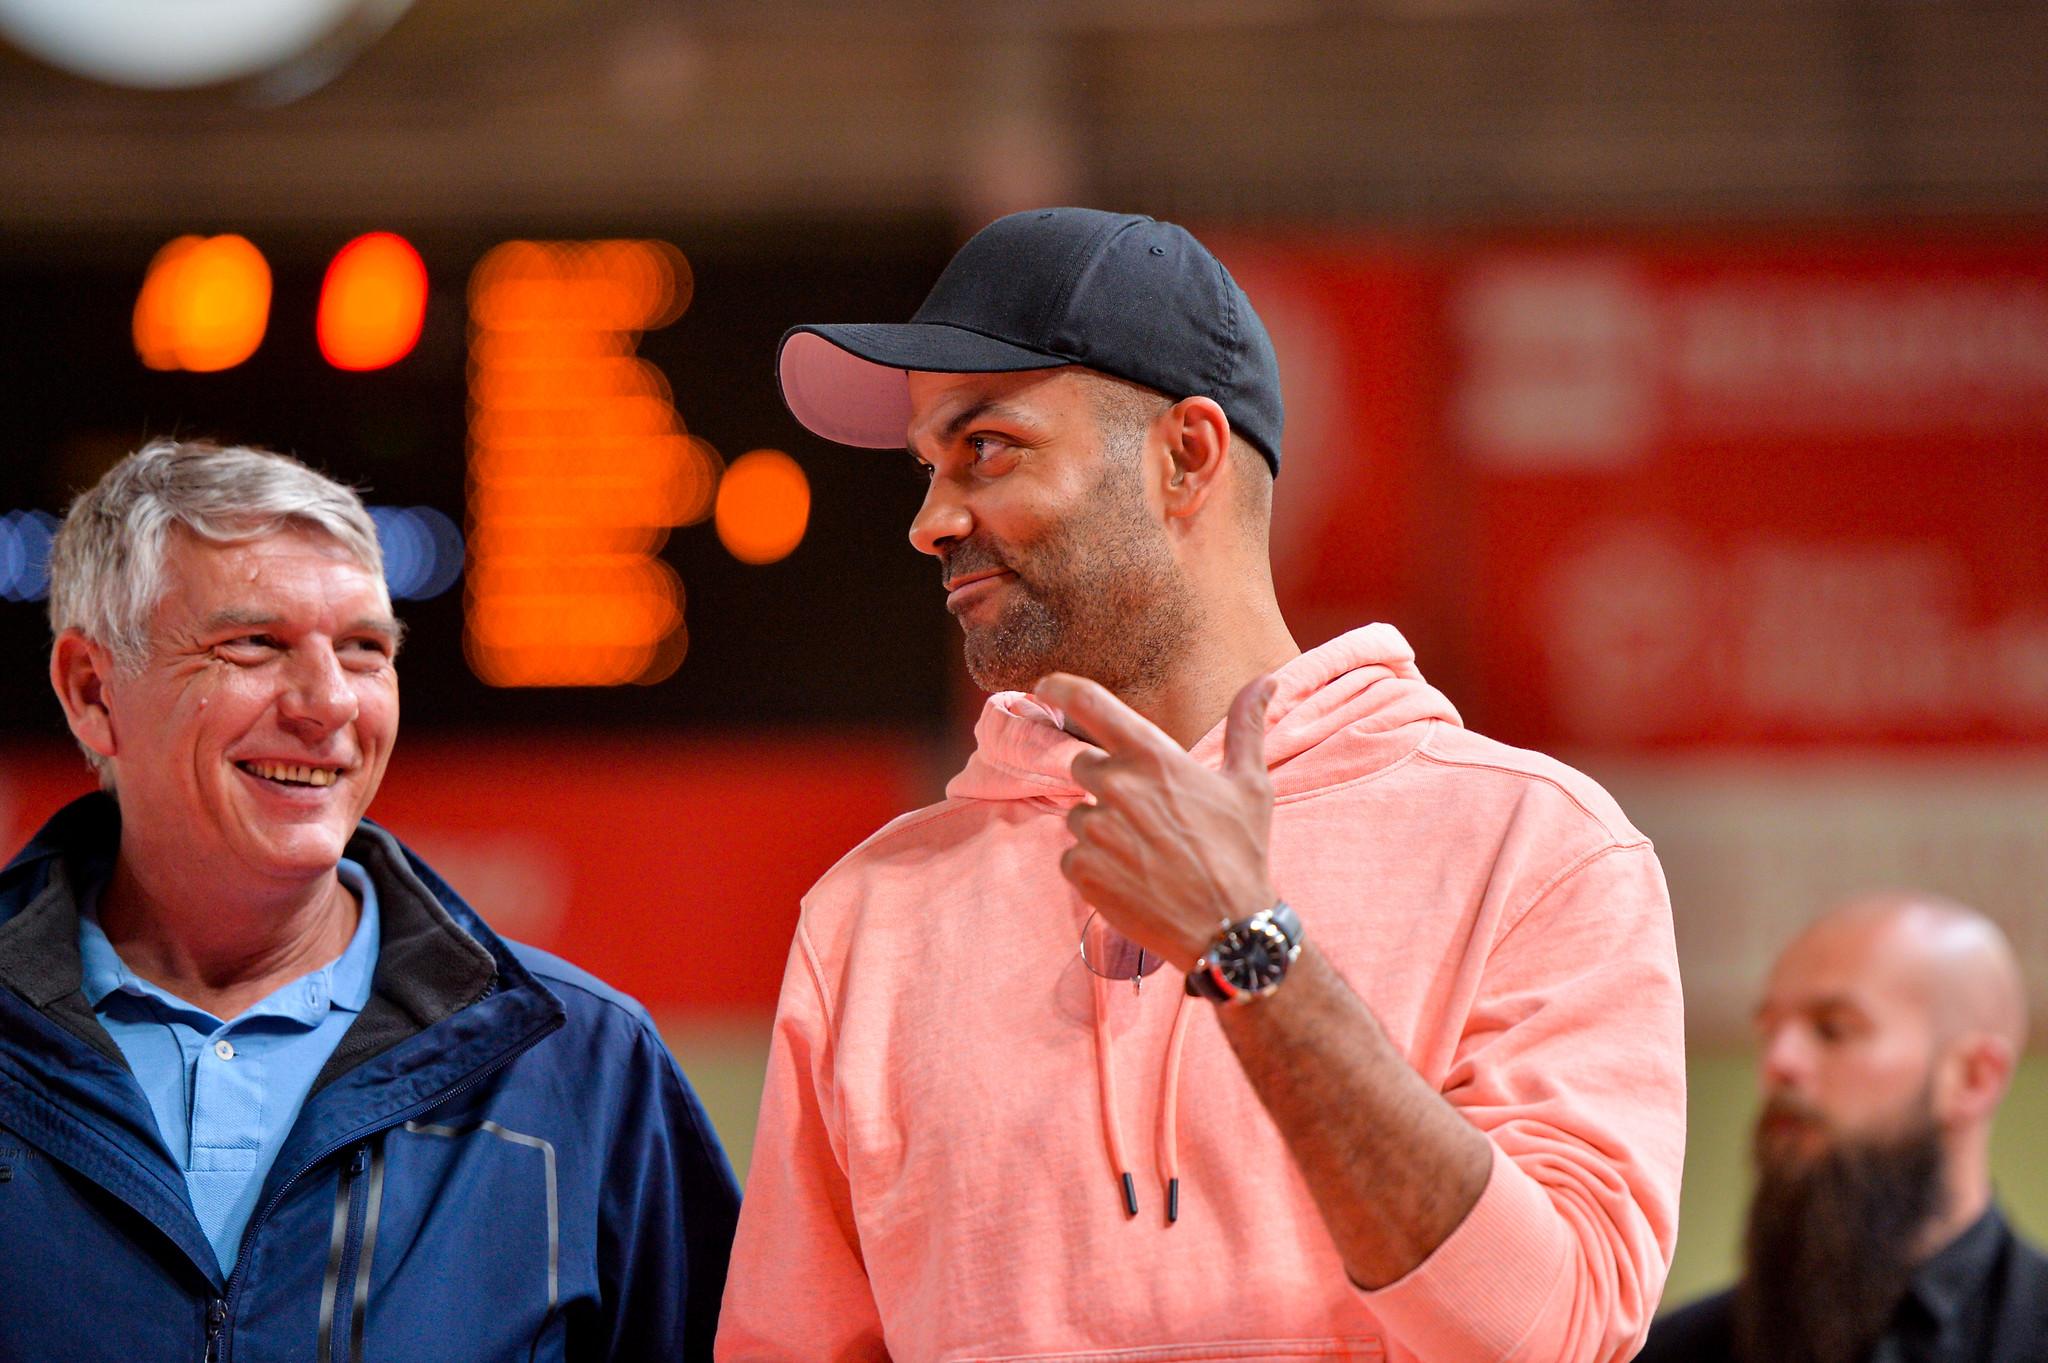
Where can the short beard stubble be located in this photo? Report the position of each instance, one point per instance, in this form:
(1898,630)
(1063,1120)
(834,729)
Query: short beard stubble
(1099,595)
(1831,1245)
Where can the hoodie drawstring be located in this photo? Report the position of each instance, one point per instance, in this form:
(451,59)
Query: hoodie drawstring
(1169,1104)
(1169,1110)
(1105,1076)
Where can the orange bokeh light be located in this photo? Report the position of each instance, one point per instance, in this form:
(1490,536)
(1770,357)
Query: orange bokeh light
(372,303)
(204,305)
(764,506)
(578,466)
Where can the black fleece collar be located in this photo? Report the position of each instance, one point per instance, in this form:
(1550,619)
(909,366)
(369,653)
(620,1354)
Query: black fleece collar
(436,958)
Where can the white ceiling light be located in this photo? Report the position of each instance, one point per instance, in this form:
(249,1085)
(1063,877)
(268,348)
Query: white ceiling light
(178,44)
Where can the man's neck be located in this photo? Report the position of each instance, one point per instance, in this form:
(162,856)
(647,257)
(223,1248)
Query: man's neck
(1230,650)
(218,949)
(1967,1198)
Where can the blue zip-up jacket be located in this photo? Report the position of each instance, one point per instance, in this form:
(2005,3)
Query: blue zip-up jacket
(501,1161)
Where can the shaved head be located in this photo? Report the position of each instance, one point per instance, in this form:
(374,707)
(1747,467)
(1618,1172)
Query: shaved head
(1955,958)
(1889,1030)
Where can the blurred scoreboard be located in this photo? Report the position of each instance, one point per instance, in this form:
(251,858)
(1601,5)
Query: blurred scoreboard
(581,469)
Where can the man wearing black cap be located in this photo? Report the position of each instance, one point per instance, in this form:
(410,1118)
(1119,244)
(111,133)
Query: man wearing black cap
(1407,1082)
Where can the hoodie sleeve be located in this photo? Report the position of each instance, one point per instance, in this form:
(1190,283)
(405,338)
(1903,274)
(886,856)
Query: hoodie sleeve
(1572,1064)
(798,1288)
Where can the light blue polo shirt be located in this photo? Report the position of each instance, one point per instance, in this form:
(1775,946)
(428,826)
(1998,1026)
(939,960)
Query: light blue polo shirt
(226,1093)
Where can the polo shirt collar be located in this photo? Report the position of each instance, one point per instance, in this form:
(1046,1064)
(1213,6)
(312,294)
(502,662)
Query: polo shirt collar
(343,983)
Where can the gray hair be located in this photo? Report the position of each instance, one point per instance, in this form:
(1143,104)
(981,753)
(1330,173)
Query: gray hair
(107,561)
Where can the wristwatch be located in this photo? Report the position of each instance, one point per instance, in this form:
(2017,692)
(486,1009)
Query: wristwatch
(1248,959)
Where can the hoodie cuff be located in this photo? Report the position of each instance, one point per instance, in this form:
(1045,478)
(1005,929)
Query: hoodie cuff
(1482,1291)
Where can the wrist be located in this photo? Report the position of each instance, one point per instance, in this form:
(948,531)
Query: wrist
(1199,928)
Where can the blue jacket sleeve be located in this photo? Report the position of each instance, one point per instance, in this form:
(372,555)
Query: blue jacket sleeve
(667,1210)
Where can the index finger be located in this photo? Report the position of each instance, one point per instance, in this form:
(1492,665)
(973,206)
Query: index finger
(1105,721)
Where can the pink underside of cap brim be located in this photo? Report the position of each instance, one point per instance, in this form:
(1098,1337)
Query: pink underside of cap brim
(842,397)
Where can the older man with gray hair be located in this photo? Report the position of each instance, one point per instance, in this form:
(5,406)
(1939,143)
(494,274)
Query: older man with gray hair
(268,1087)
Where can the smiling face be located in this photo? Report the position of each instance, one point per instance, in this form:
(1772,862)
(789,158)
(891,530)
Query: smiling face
(257,731)
(1849,1043)
(1051,552)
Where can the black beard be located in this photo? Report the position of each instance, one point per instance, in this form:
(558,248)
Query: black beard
(1831,1245)
(1099,596)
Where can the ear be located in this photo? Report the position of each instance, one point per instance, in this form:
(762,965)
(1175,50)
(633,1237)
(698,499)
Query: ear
(1197,437)
(81,672)
(1974,1077)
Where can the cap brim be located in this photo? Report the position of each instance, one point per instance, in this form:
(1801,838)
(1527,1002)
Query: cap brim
(850,383)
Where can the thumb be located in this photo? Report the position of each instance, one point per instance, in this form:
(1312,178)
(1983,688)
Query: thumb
(1244,737)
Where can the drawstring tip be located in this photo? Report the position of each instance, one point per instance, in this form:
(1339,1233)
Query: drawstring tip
(1172,1200)
(1130,1196)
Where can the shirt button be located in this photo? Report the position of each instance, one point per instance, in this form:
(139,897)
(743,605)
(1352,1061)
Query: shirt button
(224,1048)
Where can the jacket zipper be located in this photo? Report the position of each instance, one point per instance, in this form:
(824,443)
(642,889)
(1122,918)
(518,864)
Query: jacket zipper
(339,1322)
(219,1347)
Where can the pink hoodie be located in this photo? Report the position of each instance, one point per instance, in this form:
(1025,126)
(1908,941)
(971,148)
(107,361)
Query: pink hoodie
(934,1177)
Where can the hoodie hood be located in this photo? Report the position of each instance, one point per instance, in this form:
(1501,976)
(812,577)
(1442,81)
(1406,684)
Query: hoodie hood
(1342,710)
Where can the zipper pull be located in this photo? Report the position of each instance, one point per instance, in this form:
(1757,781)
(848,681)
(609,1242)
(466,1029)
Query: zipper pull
(216,1317)
(360,1161)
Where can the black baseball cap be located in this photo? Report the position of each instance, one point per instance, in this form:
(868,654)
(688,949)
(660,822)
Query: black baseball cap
(1116,292)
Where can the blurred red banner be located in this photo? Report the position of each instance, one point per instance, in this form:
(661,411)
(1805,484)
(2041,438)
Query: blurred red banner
(1780,488)
(1780,492)
(670,867)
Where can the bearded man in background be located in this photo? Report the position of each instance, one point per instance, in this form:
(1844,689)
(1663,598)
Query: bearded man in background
(1890,1030)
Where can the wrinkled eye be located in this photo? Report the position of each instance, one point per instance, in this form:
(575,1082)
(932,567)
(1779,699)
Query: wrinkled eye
(247,648)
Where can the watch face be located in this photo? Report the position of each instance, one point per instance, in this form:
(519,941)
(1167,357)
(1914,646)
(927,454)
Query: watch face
(1255,956)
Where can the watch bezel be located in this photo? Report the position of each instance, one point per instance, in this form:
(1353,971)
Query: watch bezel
(1226,968)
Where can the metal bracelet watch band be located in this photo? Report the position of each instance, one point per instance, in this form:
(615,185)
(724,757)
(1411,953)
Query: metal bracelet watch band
(1249,958)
